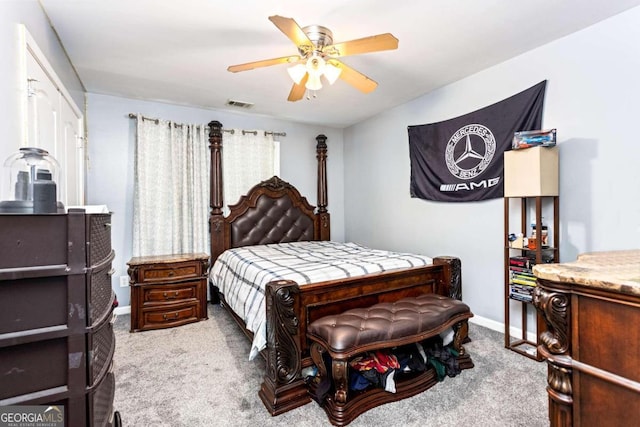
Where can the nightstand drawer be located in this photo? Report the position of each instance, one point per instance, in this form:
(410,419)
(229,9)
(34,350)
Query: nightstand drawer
(170,293)
(172,272)
(185,313)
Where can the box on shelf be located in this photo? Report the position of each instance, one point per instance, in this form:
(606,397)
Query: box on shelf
(534,138)
(531,172)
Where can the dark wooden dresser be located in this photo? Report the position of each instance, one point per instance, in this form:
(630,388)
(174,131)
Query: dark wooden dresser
(592,345)
(168,290)
(56,314)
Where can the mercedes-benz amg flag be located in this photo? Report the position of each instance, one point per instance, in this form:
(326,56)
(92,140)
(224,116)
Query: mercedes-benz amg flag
(461,159)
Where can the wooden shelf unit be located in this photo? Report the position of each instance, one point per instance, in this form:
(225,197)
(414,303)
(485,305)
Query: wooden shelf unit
(522,344)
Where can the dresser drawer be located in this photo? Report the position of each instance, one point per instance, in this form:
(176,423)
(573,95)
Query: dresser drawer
(171,272)
(36,366)
(170,293)
(100,402)
(99,238)
(100,292)
(184,313)
(33,303)
(101,344)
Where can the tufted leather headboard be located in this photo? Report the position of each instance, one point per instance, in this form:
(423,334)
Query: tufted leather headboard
(273,211)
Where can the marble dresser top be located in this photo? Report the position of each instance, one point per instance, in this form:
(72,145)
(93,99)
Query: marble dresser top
(617,271)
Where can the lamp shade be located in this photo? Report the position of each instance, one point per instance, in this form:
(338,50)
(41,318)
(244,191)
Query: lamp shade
(297,72)
(331,72)
(313,83)
(531,172)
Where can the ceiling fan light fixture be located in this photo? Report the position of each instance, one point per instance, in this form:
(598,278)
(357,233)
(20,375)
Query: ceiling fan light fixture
(297,73)
(313,83)
(315,65)
(317,57)
(331,72)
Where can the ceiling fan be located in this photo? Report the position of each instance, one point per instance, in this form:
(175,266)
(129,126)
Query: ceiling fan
(317,57)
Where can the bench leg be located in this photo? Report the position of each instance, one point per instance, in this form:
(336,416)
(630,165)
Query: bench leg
(316,352)
(340,372)
(461,330)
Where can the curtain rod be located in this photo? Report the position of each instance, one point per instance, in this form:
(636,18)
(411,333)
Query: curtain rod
(231,131)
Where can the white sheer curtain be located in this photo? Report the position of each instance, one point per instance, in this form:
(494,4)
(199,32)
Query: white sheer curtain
(248,157)
(171,195)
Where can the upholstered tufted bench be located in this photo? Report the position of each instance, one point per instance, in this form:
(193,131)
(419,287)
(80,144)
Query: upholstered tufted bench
(382,326)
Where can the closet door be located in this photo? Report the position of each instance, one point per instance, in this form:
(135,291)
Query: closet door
(54,123)
(71,143)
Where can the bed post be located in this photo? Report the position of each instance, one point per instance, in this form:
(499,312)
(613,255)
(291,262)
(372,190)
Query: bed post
(283,387)
(324,229)
(216,219)
(453,277)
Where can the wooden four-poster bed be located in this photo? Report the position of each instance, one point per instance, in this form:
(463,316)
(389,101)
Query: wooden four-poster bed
(291,307)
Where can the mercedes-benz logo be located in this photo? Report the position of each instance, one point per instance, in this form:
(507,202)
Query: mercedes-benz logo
(464,166)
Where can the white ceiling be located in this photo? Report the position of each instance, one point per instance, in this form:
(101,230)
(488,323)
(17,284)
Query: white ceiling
(178,51)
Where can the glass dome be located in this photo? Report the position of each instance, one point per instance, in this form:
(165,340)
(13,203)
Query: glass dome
(29,180)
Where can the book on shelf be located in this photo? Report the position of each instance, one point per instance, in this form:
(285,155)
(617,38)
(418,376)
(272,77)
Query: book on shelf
(516,287)
(519,261)
(521,276)
(528,261)
(521,292)
(523,282)
(521,297)
(521,269)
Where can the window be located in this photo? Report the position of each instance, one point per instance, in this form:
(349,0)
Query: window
(171,195)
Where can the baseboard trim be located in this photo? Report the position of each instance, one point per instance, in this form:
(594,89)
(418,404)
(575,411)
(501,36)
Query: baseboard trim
(122,310)
(487,323)
(499,327)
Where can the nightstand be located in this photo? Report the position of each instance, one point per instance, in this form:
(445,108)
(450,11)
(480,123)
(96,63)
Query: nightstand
(168,290)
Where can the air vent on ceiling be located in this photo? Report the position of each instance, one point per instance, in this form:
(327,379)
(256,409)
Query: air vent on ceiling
(239,104)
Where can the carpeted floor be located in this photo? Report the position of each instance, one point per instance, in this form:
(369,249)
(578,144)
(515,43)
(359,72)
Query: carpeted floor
(199,375)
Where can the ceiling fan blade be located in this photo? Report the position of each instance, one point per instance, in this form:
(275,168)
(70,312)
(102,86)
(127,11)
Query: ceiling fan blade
(354,78)
(298,90)
(367,44)
(292,30)
(264,63)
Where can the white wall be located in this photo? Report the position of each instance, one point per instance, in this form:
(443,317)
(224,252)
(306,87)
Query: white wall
(592,99)
(29,13)
(111,147)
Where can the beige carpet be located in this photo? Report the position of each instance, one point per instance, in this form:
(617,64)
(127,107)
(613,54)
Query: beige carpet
(199,375)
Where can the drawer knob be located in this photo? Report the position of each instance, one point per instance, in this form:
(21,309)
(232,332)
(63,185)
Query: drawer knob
(166,316)
(171,273)
(170,295)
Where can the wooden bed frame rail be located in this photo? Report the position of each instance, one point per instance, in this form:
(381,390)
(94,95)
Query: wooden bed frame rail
(290,310)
